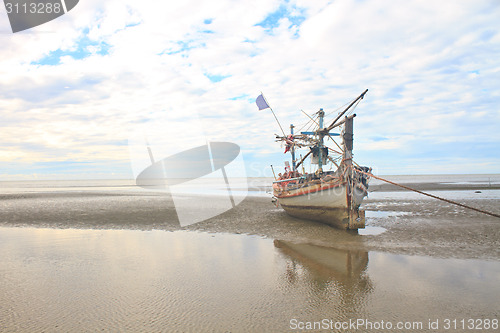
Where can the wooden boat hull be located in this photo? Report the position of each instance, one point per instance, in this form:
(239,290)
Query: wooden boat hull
(327,203)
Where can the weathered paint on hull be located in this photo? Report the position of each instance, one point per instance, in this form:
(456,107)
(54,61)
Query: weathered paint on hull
(337,217)
(328,205)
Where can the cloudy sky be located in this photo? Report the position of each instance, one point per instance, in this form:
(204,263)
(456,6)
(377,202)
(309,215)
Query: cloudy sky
(73,90)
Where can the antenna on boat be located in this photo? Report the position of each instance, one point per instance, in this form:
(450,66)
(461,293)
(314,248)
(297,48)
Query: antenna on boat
(273,172)
(262,103)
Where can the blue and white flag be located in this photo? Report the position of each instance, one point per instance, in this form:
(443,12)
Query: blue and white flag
(261,102)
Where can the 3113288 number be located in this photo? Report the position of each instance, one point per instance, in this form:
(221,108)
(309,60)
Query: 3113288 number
(34,8)
(470,324)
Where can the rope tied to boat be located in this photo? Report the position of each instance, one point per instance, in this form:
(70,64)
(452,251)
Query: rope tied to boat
(430,195)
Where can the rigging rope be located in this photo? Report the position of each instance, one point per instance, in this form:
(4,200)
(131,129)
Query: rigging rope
(308,124)
(336,110)
(430,195)
(352,109)
(312,121)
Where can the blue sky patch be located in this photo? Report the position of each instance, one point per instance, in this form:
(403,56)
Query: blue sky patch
(379,138)
(215,77)
(85,47)
(395,92)
(244,96)
(273,20)
(183,46)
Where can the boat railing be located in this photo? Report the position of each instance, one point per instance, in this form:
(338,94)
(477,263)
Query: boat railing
(288,180)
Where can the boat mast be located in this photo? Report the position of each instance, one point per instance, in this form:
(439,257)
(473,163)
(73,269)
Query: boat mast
(347,161)
(292,150)
(321,134)
(348,141)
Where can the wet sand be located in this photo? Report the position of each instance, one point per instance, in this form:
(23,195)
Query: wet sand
(412,224)
(120,261)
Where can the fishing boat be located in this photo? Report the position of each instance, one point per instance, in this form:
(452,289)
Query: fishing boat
(329,196)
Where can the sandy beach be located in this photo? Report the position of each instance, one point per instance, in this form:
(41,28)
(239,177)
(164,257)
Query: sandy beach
(412,223)
(118,260)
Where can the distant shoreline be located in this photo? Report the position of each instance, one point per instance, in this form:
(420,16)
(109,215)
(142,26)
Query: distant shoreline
(433,187)
(131,181)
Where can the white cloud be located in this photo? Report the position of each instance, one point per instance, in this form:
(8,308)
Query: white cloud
(432,71)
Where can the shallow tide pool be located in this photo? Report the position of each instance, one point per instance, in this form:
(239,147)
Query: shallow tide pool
(121,280)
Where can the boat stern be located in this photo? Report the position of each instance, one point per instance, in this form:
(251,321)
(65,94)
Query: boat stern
(356,219)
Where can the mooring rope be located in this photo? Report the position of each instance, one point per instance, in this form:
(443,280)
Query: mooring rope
(430,195)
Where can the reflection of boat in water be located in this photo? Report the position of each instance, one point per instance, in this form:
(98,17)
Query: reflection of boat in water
(337,278)
(338,263)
